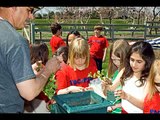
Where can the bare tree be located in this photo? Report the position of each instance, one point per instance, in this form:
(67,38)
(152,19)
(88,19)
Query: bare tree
(155,13)
(138,12)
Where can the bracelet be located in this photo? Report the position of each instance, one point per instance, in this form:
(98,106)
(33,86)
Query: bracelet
(44,76)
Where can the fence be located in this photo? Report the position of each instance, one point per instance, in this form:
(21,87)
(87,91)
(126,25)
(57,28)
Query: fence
(42,32)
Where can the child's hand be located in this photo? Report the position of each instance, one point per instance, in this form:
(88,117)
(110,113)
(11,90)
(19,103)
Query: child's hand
(109,109)
(75,89)
(121,94)
(88,88)
(52,101)
(105,86)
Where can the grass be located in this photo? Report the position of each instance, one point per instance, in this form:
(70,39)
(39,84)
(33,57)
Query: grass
(50,50)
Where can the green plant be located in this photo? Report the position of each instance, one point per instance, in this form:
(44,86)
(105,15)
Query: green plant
(101,76)
(50,87)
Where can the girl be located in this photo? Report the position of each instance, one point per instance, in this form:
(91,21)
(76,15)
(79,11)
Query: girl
(151,101)
(72,35)
(62,53)
(118,53)
(39,54)
(74,78)
(133,77)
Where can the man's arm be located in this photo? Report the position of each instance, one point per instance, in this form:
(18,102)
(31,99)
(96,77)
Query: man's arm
(31,88)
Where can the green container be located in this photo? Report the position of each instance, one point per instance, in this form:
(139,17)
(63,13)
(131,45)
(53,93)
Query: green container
(80,102)
(110,96)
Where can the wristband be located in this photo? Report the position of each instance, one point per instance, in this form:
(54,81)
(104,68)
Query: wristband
(44,76)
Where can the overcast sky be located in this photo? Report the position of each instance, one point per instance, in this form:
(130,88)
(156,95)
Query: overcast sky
(46,9)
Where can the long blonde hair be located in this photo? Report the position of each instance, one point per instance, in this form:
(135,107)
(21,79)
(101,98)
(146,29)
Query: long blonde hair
(120,49)
(155,69)
(78,48)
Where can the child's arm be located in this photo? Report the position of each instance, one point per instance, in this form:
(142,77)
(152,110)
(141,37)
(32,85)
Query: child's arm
(116,82)
(105,53)
(70,89)
(130,98)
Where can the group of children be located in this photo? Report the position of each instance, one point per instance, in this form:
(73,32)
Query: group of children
(132,68)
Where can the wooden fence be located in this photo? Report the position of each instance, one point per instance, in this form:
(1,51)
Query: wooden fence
(42,32)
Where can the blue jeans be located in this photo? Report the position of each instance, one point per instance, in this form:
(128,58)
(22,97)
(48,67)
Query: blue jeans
(98,63)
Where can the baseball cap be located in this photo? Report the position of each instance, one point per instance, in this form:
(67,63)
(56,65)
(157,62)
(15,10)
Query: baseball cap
(98,27)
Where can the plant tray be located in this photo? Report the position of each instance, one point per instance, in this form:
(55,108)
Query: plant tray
(80,102)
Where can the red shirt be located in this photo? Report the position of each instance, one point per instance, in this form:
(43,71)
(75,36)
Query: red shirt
(97,46)
(67,76)
(152,106)
(56,42)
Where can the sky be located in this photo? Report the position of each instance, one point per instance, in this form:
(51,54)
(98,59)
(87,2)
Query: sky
(46,9)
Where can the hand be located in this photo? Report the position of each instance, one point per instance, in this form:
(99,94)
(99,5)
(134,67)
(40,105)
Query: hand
(52,101)
(76,89)
(88,88)
(109,109)
(121,94)
(105,86)
(37,67)
(52,65)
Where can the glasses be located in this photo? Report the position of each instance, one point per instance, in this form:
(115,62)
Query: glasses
(115,59)
(32,10)
(157,84)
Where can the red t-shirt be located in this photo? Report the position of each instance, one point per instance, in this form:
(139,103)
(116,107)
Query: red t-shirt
(97,46)
(152,106)
(67,76)
(56,42)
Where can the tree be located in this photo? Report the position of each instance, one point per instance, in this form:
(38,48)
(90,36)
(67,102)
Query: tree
(155,13)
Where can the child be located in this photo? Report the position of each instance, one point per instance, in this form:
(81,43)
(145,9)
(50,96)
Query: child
(151,101)
(62,55)
(39,52)
(118,53)
(56,40)
(133,77)
(72,35)
(98,46)
(74,77)
(63,52)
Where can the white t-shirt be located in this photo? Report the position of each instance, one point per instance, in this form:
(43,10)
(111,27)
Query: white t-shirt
(138,92)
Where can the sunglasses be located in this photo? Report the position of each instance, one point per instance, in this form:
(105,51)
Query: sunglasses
(157,84)
(33,10)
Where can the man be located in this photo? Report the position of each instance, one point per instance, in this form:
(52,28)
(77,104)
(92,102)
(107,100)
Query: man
(17,79)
